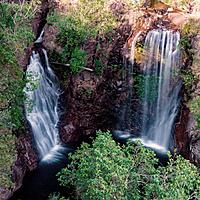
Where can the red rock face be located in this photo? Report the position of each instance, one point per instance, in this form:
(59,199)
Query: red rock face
(182,131)
(195,146)
(40,18)
(91,100)
(91,104)
(187,137)
(26,160)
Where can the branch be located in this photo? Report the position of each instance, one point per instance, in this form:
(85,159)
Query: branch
(56,63)
(68,65)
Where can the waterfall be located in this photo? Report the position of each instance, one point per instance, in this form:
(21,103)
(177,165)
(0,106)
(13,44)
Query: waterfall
(158,92)
(42,93)
(161,87)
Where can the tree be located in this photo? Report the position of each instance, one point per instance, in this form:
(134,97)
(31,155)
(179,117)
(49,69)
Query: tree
(106,170)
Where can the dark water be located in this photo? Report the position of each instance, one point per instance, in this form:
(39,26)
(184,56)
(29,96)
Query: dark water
(41,182)
(124,136)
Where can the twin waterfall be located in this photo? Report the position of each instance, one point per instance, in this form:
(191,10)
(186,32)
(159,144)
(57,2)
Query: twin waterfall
(160,96)
(161,87)
(42,92)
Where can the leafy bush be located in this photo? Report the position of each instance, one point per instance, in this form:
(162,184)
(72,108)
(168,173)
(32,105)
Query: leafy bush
(15,35)
(185,42)
(99,67)
(71,36)
(95,16)
(83,19)
(78,60)
(105,170)
(7,157)
(188,78)
(195,108)
(56,197)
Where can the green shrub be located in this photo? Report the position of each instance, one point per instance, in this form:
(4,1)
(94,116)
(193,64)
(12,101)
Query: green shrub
(70,37)
(83,19)
(105,170)
(78,60)
(95,16)
(178,180)
(185,42)
(188,79)
(7,157)
(195,108)
(191,28)
(99,67)
(15,36)
(55,196)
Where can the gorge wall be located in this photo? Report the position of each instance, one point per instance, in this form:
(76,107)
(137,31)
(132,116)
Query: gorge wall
(88,94)
(91,99)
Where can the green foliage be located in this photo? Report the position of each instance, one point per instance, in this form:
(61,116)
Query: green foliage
(15,35)
(99,67)
(188,78)
(84,19)
(71,36)
(55,196)
(189,31)
(97,173)
(191,28)
(11,100)
(94,15)
(105,170)
(195,108)
(185,42)
(88,91)
(178,180)
(7,157)
(78,60)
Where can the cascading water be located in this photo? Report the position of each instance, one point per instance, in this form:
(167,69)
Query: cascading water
(159,91)
(161,87)
(42,112)
(42,92)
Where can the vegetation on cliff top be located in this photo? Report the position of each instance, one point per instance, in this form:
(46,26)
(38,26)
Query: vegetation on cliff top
(190,78)
(15,35)
(80,21)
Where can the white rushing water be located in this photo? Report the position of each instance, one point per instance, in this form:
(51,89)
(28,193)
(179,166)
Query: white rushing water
(161,87)
(42,92)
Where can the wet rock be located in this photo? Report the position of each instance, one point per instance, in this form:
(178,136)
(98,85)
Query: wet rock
(27,152)
(5,193)
(26,160)
(195,146)
(193,133)
(181,131)
(40,18)
(91,106)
